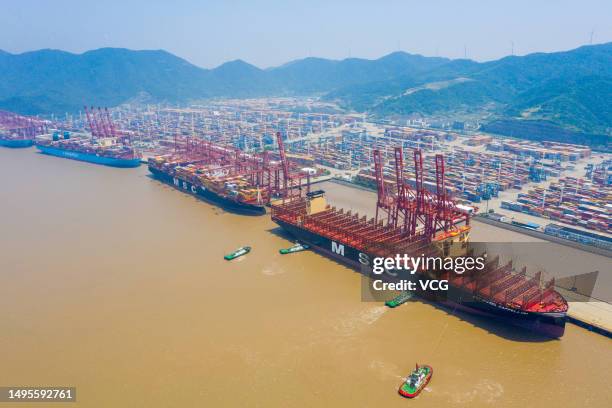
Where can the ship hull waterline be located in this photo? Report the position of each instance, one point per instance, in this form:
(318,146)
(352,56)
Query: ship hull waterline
(456,298)
(208,195)
(16,143)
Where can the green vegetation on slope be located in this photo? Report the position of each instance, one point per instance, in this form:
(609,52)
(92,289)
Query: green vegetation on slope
(461,95)
(570,90)
(49,81)
(580,103)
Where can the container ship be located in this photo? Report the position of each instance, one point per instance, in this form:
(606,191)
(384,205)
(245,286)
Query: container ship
(15,141)
(213,183)
(106,151)
(497,292)
(19,131)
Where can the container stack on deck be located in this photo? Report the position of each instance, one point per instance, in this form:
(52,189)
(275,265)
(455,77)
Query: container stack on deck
(84,144)
(232,173)
(219,179)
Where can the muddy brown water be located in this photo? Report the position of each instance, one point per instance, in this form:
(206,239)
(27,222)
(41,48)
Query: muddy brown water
(115,283)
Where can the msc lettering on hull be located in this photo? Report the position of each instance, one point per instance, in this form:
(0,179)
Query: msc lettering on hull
(364,259)
(185,185)
(337,248)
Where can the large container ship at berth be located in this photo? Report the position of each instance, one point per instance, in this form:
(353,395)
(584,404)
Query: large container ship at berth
(213,183)
(106,151)
(417,222)
(105,145)
(237,181)
(8,141)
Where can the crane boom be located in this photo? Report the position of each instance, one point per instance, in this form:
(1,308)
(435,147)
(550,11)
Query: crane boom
(283,157)
(91,126)
(110,123)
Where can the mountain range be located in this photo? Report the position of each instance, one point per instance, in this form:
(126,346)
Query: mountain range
(566,91)
(55,81)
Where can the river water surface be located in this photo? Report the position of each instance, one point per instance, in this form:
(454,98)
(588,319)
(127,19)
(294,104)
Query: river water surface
(115,283)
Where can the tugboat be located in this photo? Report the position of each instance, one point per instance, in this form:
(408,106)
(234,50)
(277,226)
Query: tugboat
(295,248)
(399,299)
(415,383)
(237,253)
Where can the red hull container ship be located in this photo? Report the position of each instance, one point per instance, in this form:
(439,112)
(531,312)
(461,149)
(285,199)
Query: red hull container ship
(420,223)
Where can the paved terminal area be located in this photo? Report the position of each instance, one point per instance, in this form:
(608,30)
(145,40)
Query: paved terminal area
(596,316)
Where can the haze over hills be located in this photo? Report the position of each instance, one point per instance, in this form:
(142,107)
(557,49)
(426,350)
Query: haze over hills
(56,81)
(568,89)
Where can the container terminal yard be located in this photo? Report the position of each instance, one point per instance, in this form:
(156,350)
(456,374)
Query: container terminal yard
(548,182)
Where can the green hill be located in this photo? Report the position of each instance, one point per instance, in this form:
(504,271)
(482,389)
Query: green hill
(56,81)
(569,90)
(49,81)
(577,103)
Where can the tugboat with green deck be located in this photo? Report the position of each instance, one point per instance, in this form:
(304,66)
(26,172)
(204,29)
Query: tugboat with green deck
(298,247)
(237,253)
(416,381)
(399,299)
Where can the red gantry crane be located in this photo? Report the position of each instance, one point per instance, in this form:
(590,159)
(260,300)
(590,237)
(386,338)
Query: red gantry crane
(416,210)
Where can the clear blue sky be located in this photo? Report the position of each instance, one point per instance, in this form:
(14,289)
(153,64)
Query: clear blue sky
(268,33)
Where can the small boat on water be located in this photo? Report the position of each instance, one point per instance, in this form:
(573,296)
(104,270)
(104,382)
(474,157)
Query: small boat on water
(295,248)
(399,299)
(416,381)
(238,253)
